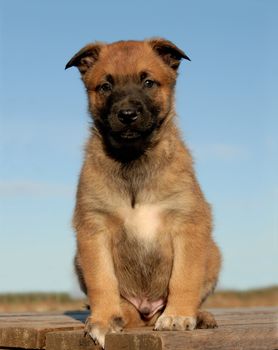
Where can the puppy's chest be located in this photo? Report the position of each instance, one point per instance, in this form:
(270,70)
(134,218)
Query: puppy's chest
(142,222)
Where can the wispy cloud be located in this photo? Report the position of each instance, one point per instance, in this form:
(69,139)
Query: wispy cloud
(33,189)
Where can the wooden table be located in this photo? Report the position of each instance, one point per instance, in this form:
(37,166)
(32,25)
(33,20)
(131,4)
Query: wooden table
(241,328)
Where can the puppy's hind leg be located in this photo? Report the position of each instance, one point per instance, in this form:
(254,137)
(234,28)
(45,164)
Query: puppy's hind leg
(131,315)
(205,320)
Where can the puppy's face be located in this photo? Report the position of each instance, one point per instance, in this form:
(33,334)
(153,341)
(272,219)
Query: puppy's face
(130,89)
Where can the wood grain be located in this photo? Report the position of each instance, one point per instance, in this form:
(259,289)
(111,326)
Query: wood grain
(28,330)
(247,328)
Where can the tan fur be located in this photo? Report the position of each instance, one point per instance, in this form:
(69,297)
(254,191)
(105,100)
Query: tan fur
(167,230)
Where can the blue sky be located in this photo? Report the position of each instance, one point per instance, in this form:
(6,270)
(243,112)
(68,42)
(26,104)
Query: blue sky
(227,106)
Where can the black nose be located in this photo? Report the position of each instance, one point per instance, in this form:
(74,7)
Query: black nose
(127,116)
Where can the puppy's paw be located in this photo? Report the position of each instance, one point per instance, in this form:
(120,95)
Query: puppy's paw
(175,323)
(205,320)
(97,330)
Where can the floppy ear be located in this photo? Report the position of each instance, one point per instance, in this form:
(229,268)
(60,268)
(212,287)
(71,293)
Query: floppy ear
(85,58)
(169,52)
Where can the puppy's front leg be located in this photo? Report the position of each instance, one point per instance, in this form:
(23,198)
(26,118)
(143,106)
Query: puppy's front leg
(186,281)
(95,257)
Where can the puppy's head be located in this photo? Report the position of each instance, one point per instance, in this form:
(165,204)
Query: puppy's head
(130,89)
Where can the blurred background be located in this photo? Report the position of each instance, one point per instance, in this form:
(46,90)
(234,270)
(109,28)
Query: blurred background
(228,112)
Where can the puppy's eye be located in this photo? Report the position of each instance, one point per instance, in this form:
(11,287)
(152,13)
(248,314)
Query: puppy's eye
(149,83)
(105,88)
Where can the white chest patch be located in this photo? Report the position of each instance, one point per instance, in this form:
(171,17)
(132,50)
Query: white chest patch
(142,221)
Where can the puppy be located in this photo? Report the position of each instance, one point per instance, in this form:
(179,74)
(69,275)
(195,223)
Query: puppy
(145,254)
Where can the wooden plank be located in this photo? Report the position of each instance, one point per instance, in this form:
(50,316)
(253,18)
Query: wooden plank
(28,330)
(242,337)
(238,329)
(143,338)
(246,316)
(69,340)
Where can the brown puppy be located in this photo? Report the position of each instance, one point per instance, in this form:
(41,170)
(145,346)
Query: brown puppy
(145,255)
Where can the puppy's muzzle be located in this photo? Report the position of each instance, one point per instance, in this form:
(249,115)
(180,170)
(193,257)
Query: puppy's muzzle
(128,116)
